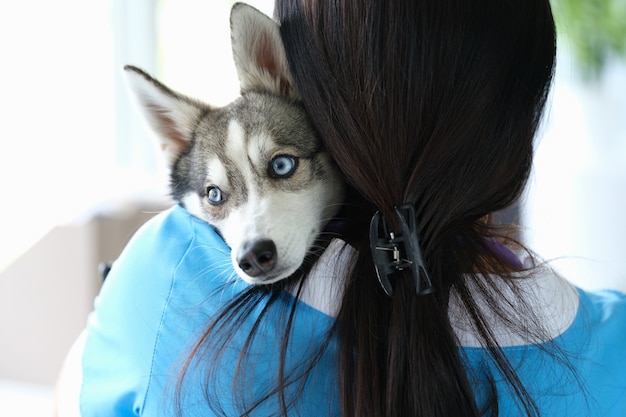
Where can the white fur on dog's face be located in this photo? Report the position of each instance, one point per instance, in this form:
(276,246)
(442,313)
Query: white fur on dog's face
(290,211)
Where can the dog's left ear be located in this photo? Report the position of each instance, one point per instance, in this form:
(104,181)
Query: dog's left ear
(259,53)
(172,116)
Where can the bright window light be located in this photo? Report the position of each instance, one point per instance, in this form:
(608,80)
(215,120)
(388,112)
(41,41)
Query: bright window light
(72,143)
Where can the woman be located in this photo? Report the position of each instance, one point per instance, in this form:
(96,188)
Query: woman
(430,108)
(437,104)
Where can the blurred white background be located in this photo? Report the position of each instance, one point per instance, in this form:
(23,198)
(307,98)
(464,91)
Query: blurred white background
(76,158)
(575,210)
(73,149)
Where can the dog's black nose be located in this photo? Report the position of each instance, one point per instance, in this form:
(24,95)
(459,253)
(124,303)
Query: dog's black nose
(257,257)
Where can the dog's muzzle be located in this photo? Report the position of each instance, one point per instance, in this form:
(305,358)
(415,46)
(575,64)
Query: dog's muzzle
(257,257)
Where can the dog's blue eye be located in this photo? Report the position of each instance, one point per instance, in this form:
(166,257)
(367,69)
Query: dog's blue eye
(214,195)
(283,166)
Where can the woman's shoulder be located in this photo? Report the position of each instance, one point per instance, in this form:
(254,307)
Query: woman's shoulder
(578,369)
(149,308)
(608,304)
(598,341)
(174,229)
(173,246)
(603,314)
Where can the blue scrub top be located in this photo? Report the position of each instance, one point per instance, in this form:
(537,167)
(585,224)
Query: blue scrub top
(175,274)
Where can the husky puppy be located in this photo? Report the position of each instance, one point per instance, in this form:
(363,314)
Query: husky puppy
(254,169)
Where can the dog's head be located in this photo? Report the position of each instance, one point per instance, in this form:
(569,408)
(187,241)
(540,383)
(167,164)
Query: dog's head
(255,168)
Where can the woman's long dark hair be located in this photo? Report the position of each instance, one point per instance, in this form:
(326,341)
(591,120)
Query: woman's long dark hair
(434,103)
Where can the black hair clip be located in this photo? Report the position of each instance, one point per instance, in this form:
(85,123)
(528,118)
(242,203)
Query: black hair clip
(392,252)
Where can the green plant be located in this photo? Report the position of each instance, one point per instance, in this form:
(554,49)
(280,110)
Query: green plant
(595,30)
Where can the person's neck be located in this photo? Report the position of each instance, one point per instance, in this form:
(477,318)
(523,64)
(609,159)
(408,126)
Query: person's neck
(553,301)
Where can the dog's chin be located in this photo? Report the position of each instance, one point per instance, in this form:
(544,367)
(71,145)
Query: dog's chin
(267,278)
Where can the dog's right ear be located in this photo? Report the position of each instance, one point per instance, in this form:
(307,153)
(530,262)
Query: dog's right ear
(259,53)
(171,115)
